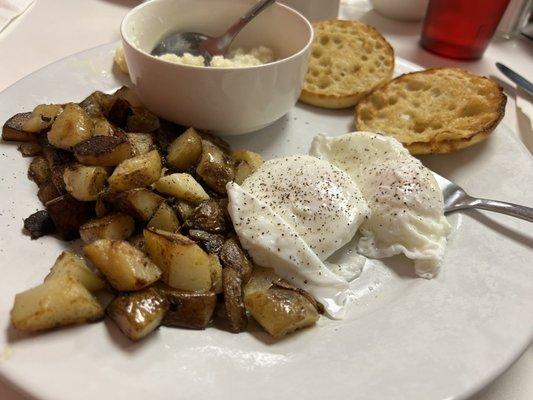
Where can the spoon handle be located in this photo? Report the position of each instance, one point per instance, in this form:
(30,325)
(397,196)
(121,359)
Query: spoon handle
(513,210)
(226,39)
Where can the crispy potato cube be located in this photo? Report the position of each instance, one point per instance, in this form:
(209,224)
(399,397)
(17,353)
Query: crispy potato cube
(42,117)
(102,127)
(103,151)
(185,265)
(192,310)
(54,303)
(216,273)
(30,149)
(68,215)
(101,207)
(210,242)
(84,183)
(48,192)
(39,171)
(242,171)
(183,187)
(125,267)
(139,203)
(116,226)
(128,94)
(57,157)
(136,172)
(139,313)
(97,104)
(73,266)
(141,143)
(233,256)
(71,127)
(209,216)
(12,129)
(141,120)
(234,300)
(261,280)
(215,167)
(281,311)
(254,160)
(183,209)
(138,242)
(248,162)
(185,151)
(165,219)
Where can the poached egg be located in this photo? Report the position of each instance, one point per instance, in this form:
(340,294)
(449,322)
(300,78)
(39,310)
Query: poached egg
(406,205)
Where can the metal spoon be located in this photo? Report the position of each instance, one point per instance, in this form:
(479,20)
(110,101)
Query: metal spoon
(199,44)
(455,198)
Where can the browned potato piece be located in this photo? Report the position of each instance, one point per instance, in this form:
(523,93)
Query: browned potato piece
(129,95)
(97,104)
(183,209)
(165,219)
(54,303)
(56,157)
(83,182)
(185,151)
(215,167)
(192,310)
(68,215)
(136,172)
(30,149)
(210,242)
(116,226)
(281,311)
(209,216)
(185,265)
(104,151)
(39,171)
(119,112)
(71,265)
(101,207)
(216,273)
(71,127)
(138,242)
(233,300)
(138,314)
(102,127)
(125,267)
(141,143)
(12,129)
(42,117)
(233,256)
(248,162)
(182,187)
(141,120)
(39,224)
(260,280)
(139,203)
(48,192)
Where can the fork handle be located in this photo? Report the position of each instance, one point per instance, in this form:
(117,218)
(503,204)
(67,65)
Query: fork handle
(514,210)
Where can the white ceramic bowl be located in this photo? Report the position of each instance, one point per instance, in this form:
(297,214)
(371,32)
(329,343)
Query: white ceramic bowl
(315,10)
(227,101)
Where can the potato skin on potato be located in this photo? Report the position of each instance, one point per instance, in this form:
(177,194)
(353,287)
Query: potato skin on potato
(68,215)
(139,313)
(12,129)
(234,300)
(233,256)
(209,216)
(192,310)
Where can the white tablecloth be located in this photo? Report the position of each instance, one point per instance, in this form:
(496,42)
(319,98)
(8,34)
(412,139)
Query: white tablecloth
(53,29)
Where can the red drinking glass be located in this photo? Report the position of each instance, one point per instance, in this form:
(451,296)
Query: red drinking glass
(461,28)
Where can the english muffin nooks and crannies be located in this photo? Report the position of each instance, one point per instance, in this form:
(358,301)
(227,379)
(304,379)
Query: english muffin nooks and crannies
(438,110)
(348,60)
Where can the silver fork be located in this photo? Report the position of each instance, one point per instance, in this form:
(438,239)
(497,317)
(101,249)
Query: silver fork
(455,198)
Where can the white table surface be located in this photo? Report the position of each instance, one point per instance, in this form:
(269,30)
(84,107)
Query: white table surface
(53,29)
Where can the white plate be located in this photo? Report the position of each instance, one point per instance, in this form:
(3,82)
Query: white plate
(406,338)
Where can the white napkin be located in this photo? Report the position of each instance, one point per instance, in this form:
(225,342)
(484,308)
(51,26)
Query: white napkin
(10,9)
(523,102)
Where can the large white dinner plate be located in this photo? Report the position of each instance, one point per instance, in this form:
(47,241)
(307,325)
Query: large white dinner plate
(405,338)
